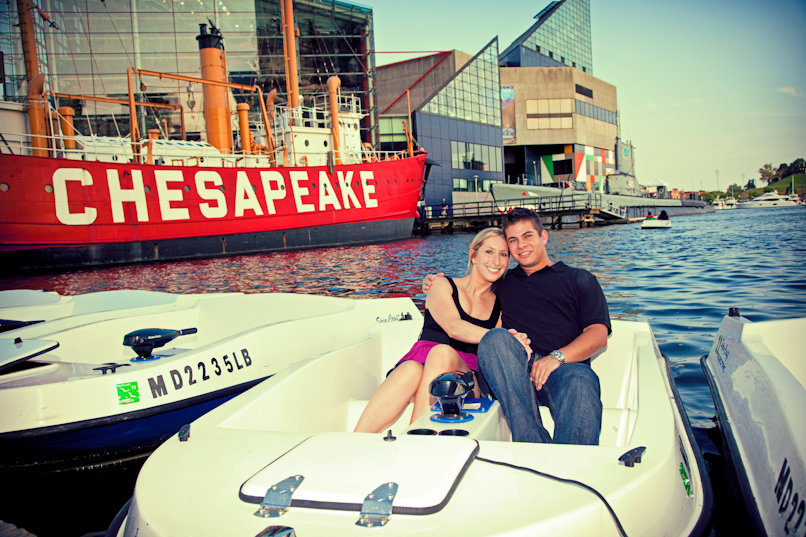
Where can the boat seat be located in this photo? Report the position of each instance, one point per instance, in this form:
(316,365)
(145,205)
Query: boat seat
(615,422)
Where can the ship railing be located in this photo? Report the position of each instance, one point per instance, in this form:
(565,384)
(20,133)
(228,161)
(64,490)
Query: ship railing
(58,145)
(118,149)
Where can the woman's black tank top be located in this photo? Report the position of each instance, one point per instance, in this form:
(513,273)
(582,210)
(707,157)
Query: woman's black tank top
(433,332)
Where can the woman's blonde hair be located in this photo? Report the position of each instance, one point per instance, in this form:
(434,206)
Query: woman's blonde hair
(479,239)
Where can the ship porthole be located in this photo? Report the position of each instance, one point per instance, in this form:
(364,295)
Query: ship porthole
(147,189)
(187,188)
(221,188)
(48,188)
(307,143)
(4,187)
(325,142)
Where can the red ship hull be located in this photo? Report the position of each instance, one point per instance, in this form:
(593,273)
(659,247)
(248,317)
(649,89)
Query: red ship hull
(60,213)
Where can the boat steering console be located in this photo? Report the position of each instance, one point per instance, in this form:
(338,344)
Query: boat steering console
(146,340)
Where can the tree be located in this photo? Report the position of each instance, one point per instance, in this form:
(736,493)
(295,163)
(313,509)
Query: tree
(750,184)
(797,166)
(733,190)
(783,171)
(766,174)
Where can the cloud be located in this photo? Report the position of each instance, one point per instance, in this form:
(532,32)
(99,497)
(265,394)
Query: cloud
(792,90)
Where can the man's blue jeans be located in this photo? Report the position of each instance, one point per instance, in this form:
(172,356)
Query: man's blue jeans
(571,393)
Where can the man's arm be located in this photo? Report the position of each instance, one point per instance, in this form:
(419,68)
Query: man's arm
(592,339)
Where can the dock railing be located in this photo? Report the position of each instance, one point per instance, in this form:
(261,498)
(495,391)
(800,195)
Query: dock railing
(551,206)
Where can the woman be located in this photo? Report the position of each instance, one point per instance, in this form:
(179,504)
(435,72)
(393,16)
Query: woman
(457,314)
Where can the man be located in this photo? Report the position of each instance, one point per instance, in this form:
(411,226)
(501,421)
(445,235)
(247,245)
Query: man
(564,313)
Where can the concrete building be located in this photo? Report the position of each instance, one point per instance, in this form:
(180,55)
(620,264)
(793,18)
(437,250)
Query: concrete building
(560,123)
(559,126)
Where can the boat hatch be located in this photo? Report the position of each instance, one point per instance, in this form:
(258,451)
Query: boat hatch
(14,351)
(342,470)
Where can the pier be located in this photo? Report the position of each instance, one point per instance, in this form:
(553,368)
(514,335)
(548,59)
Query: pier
(583,210)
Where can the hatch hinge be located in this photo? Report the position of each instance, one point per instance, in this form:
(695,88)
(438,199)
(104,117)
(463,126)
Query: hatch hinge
(377,507)
(278,497)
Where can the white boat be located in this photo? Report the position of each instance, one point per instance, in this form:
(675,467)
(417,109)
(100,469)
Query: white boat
(768,200)
(650,222)
(721,203)
(757,376)
(108,376)
(281,459)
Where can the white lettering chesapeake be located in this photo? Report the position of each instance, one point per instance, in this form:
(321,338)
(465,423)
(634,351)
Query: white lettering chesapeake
(273,194)
(118,196)
(347,193)
(327,196)
(167,195)
(300,191)
(211,194)
(245,197)
(368,189)
(60,178)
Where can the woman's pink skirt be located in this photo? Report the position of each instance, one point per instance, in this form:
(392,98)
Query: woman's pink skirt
(420,351)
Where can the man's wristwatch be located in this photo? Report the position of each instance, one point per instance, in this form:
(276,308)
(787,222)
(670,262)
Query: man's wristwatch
(559,356)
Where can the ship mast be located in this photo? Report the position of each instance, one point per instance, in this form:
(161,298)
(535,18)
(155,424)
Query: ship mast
(36,81)
(290,47)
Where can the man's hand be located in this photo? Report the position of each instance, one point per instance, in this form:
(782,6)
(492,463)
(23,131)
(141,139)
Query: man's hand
(429,279)
(542,368)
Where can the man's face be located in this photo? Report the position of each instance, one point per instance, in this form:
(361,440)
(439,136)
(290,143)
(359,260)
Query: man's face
(527,246)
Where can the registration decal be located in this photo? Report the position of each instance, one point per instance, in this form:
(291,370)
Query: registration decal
(128,393)
(204,371)
(789,499)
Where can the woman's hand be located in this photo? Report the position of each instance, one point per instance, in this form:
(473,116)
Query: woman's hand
(524,340)
(429,279)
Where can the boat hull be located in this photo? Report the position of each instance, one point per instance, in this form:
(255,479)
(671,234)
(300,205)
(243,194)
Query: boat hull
(84,399)
(469,476)
(756,375)
(60,212)
(656,224)
(104,441)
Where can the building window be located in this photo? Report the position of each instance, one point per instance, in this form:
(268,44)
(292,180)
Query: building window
(582,90)
(470,156)
(563,167)
(589,110)
(474,94)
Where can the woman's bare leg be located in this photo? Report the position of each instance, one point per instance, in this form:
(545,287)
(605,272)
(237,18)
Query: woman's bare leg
(440,359)
(391,397)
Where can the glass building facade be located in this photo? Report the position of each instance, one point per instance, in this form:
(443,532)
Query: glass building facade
(561,36)
(460,127)
(93,42)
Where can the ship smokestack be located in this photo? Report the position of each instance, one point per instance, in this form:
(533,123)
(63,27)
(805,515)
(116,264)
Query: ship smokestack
(216,98)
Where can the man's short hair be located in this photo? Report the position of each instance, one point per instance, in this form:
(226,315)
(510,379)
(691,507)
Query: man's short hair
(519,214)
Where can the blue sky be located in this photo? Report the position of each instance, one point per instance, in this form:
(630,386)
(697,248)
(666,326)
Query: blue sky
(702,85)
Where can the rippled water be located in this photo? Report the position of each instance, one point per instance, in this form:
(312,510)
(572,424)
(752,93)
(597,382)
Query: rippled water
(682,280)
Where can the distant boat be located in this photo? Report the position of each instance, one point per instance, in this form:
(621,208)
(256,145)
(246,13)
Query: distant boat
(724,203)
(768,200)
(660,222)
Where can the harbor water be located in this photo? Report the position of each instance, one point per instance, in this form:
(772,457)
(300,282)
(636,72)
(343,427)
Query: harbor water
(681,280)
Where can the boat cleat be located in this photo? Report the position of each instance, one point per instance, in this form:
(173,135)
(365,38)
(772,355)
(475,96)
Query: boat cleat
(278,497)
(377,507)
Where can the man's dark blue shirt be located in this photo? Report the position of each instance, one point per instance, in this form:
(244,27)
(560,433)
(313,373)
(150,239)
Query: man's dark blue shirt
(553,305)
